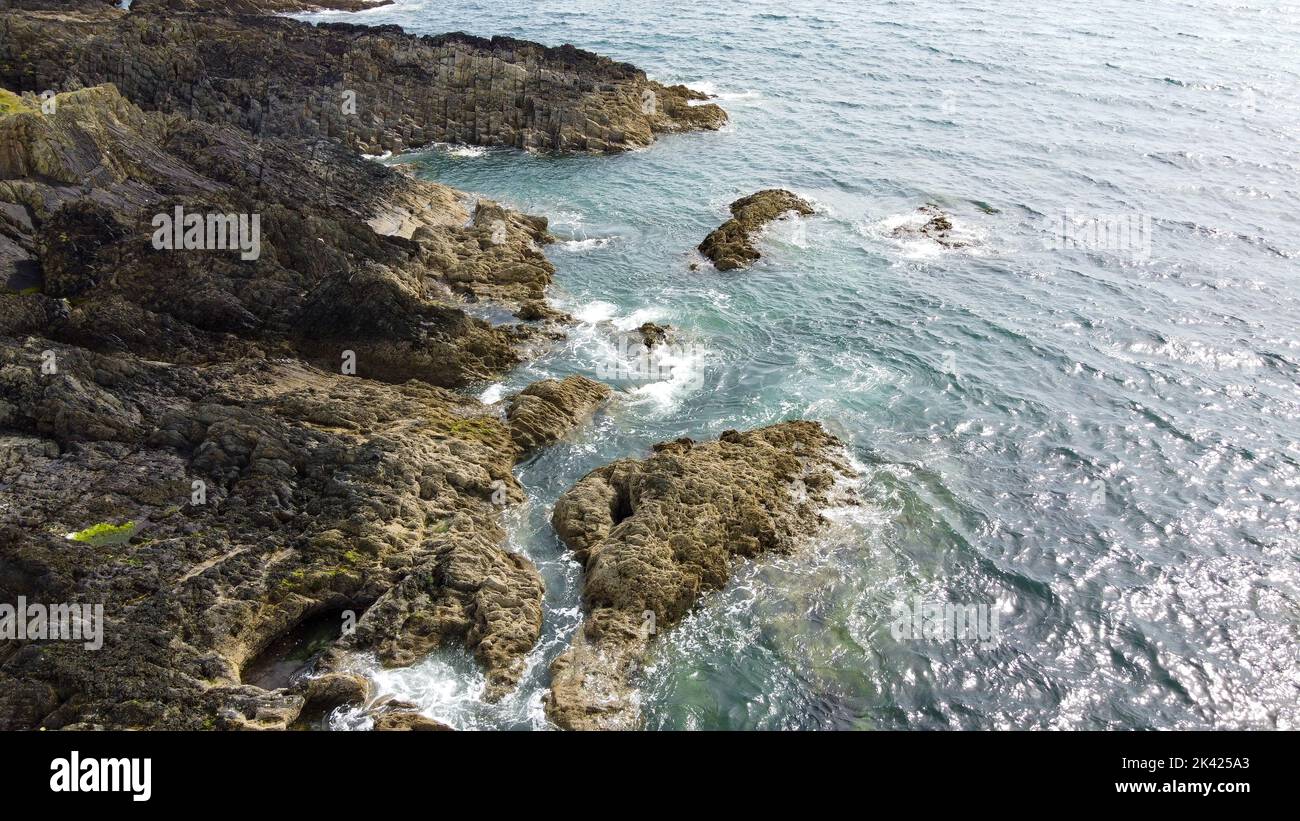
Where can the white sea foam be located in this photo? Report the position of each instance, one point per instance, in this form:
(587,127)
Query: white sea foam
(638,318)
(715,96)
(492,393)
(595,312)
(919,246)
(461,150)
(577,246)
(684,366)
(435,686)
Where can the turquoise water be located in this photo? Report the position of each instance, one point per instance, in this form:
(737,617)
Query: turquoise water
(1099,443)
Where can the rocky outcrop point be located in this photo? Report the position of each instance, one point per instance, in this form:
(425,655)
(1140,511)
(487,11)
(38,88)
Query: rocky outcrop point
(370,88)
(731,245)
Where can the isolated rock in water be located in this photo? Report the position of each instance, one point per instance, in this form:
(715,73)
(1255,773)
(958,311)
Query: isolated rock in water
(937,226)
(545,411)
(656,534)
(652,334)
(731,245)
(370,88)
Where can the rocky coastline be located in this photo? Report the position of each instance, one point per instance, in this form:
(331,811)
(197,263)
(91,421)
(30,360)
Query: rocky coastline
(232,432)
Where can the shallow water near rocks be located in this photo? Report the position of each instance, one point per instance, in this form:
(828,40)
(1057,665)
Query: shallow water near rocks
(1100,444)
(293,654)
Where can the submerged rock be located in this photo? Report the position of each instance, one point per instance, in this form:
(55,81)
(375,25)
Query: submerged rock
(937,226)
(730,245)
(652,334)
(654,535)
(545,411)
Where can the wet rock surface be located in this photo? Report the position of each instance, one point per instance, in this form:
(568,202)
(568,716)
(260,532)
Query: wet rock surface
(545,411)
(652,334)
(656,534)
(731,245)
(263,417)
(203,399)
(937,226)
(370,88)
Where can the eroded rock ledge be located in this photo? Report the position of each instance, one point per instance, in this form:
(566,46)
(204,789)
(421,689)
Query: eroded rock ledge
(203,398)
(656,534)
(371,88)
(731,245)
(544,411)
(85,183)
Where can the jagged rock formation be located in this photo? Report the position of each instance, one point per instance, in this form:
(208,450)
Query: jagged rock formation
(259,412)
(656,534)
(128,374)
(371,88)
(652,334)
(85,184)
(544,411)
(322,493)
(731,245)
(469,591)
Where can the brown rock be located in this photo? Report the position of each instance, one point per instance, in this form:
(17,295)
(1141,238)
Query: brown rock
(324,693)
(656,534)
(371,88)
(731,245)
(544,411)
(470,591)
(652,334)
(406,720)
(538,311)
(179,375)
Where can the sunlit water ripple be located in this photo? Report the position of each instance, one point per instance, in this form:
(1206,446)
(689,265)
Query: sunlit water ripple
(1101,445)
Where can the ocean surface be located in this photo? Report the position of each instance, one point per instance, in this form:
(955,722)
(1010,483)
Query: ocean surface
(1094,437)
